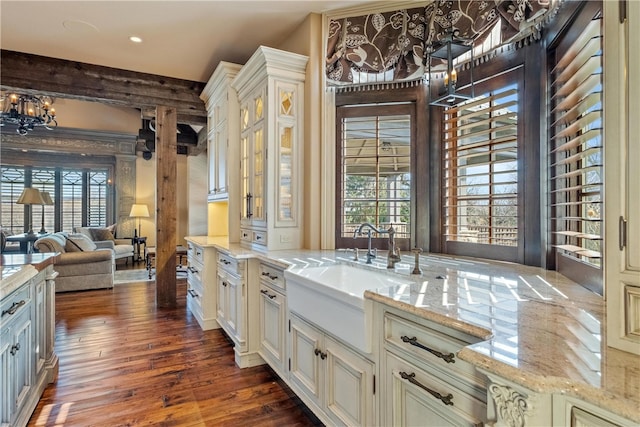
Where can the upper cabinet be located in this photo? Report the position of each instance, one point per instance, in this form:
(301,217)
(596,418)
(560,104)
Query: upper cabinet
(622,154)
(222,129)
(270,90)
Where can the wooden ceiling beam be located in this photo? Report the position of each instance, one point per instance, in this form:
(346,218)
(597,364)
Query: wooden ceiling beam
(55,77)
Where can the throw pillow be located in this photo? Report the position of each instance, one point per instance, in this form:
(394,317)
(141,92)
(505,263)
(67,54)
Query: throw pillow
(79,243)
(101,234)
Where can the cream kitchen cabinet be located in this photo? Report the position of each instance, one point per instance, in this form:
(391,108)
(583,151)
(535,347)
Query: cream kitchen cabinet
(16,352)
(568,411)
(422,380)
(223,130)
(27,359)
(237,307)
(270,90)
(273,317)
(336,382)
(201,284)
(622,175)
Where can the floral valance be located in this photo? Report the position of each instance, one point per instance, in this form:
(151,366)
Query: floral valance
(396,40)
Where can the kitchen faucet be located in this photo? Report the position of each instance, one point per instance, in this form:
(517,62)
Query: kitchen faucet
(393,256)
(358,232)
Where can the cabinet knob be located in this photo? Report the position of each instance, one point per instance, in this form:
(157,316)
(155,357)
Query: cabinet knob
(14,349)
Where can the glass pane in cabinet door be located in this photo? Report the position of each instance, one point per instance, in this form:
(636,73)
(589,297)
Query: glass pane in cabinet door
(286,103)
(244,174)
(244,118)
(259,109)
(258,174)
(285,189)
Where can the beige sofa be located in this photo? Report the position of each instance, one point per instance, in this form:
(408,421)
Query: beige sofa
(81,263)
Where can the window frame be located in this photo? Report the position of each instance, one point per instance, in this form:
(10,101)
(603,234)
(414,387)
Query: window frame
(508,77)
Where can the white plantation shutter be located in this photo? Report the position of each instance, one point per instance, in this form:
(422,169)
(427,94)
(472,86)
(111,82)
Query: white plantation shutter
(481,169)
(575,147)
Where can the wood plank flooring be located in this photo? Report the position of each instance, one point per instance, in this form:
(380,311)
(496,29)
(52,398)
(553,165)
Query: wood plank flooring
(124,362)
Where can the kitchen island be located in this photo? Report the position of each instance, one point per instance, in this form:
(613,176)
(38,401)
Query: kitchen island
(27,357)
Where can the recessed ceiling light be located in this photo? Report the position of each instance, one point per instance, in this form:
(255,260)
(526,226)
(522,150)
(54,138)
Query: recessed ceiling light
(135,39)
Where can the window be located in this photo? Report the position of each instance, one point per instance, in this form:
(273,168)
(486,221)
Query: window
(44,180)
(374,175)
(575,147)
(81,196)
(481,176)
(11,213)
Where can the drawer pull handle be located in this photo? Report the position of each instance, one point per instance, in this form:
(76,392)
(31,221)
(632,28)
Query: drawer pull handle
(14,307)
(192,293)
(192,269)
(262,291)
(449,358)
(14,349)
(224,283)
(264,273)
(224,261)
(447,400)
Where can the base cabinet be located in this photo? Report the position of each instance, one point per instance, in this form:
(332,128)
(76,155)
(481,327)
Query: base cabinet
(273,318)
(568,411)
(27,360)
(416,397)
(201,290)
(423,380)
(237,306)
(335,381)
(17,357)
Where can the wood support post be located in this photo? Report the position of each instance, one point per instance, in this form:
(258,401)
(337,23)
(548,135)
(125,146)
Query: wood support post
(166,209)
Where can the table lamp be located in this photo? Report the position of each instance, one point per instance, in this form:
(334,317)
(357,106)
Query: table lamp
(138,211)
(47,201)
(30,196)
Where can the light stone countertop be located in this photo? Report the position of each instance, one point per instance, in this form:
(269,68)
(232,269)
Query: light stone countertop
(538,328)
(16,269)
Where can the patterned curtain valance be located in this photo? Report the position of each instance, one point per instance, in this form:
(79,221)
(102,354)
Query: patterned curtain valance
(396,40)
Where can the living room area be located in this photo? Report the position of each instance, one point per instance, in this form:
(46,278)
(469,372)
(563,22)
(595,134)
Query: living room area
(92,179)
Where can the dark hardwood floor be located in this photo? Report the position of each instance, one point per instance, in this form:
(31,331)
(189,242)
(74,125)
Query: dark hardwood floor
(124,362)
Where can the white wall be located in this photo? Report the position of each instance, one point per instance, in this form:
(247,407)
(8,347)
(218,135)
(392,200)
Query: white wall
(146,194)
(95,116)
(197,198)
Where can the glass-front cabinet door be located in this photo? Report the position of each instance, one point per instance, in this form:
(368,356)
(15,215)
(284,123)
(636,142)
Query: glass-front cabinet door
(245,169)
(270,88)
(286,177)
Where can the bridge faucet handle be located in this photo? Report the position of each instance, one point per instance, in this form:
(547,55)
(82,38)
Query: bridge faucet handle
(416,268)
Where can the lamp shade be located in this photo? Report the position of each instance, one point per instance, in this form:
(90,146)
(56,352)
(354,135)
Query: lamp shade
(46,198)
(139,211)
(30,196)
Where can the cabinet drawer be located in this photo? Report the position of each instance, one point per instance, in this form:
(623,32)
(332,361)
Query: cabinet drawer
(417,394)
(259,237)
(14,304)
(231,264)
(271,276)
(429,346)
(245,235)
(195,252)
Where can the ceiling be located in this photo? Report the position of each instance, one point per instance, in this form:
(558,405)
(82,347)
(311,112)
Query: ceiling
(181,39)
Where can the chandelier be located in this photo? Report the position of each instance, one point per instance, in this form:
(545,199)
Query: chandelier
(27,112)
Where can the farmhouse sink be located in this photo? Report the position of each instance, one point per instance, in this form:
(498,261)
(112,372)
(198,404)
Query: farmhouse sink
(332,297)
